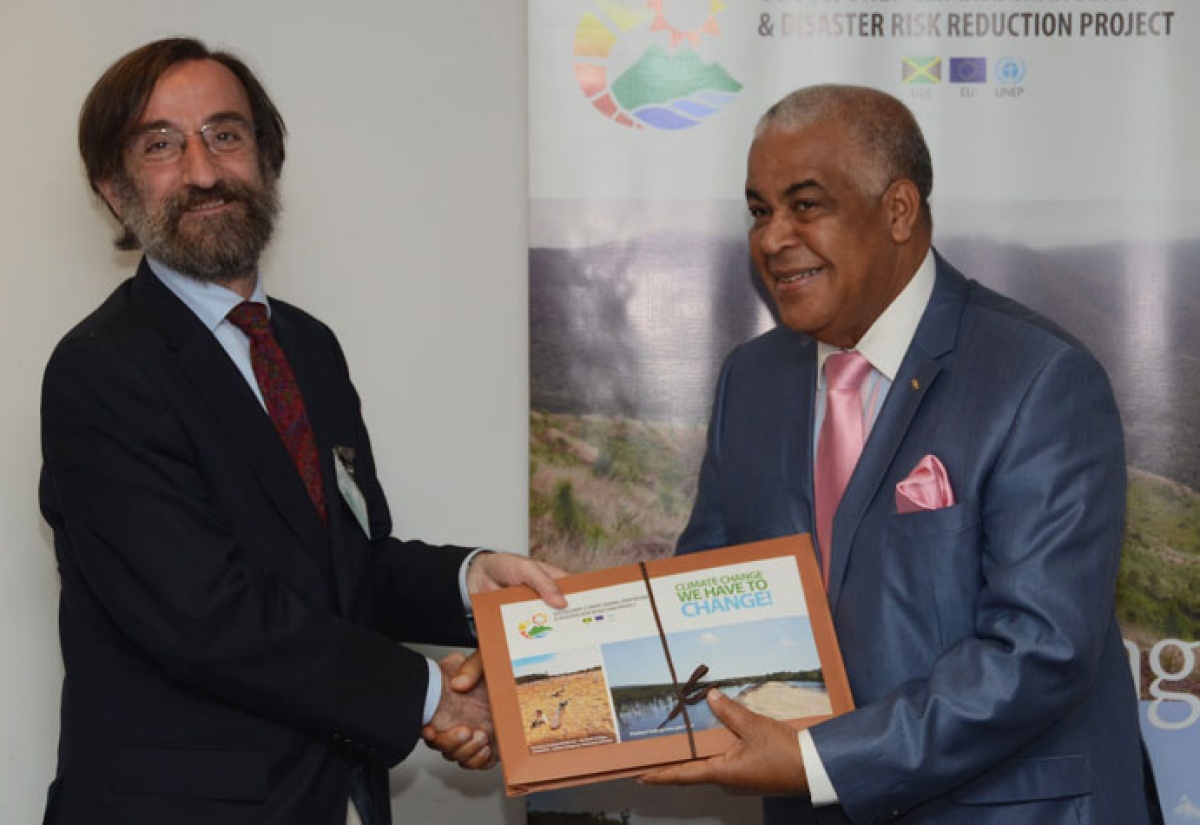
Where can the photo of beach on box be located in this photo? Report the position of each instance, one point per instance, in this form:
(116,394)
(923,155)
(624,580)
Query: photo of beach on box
(731,659)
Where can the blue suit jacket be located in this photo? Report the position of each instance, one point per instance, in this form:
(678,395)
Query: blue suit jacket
(980,640)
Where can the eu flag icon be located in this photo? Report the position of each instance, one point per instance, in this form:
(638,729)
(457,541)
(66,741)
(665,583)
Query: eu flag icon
(968,70)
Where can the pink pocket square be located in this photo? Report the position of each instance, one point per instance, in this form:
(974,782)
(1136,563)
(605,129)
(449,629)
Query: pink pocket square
(926,488)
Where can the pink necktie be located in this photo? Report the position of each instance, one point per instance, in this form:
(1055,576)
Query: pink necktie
(840,442)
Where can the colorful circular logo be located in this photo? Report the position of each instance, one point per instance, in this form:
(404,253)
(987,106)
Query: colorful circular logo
(536,627)
(664,83)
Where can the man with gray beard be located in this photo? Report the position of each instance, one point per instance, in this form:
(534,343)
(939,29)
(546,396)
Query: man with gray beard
(232,596)
(229,249)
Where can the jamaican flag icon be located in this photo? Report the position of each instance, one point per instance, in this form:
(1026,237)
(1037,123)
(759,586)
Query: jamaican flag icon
(921,70)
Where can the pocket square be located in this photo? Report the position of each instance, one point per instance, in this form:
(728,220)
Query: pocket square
(926,488)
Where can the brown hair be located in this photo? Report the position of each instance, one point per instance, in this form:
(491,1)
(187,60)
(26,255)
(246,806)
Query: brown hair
(120,96)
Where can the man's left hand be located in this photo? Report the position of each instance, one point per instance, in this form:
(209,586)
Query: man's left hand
(492,571)
(765,759)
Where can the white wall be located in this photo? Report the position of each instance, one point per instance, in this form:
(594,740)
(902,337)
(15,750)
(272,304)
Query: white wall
(404,228)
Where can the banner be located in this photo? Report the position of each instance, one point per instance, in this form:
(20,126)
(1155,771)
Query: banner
(1063,136)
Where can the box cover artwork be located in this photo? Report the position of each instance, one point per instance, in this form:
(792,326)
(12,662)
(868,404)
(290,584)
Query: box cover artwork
(614,684)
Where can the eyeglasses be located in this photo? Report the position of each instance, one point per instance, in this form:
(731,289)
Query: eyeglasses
(166,144)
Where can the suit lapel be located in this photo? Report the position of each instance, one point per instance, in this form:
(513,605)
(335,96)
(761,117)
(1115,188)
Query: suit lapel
(223,389)
(796,457)
(322,415)
(935,337)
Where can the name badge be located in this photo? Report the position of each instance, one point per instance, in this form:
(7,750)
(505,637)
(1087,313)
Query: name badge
(343,462)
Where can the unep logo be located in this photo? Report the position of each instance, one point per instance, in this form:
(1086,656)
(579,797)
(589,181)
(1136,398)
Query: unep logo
(536,627)
(661,82)
(1010,70)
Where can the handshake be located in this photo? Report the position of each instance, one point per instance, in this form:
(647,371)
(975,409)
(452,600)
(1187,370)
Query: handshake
(461,728)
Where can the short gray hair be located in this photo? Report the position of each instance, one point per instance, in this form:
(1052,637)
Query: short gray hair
(883,127)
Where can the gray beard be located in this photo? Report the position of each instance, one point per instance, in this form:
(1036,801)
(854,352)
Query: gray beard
(219,248)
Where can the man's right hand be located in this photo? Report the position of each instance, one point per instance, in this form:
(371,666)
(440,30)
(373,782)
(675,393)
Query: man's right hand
(764,759)
(461,728)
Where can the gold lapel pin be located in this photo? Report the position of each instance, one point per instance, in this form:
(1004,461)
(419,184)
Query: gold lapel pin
(916,385)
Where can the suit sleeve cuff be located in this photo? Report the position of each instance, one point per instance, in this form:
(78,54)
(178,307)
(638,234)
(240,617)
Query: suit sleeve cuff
(433,691)
(462,579)
(820,788)
(462,587)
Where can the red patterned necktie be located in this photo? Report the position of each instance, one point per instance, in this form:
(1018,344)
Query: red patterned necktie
(840,442)
(282,396)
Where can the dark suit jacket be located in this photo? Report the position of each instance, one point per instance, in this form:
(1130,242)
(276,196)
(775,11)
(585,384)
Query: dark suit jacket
(229,659)
(980,640)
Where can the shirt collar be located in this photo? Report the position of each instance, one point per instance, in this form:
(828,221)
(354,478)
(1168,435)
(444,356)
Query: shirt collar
(888,339)
(208,301)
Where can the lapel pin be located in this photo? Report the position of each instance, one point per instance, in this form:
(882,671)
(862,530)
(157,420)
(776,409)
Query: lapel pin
(916,385)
